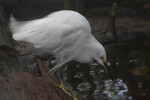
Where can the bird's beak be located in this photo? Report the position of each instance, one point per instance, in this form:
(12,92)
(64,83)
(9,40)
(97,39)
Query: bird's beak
(107,69)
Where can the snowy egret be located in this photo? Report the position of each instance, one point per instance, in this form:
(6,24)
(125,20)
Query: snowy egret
(65,34)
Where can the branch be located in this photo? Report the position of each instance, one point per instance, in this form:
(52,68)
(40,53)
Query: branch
(110,33)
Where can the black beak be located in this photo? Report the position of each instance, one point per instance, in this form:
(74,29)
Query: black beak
(107,69)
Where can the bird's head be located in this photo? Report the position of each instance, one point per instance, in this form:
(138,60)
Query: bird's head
(100,58)
(93,51)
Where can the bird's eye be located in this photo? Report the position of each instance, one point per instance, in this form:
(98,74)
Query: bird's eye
(102,57)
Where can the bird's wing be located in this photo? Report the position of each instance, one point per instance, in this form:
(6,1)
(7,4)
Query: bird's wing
(55,31)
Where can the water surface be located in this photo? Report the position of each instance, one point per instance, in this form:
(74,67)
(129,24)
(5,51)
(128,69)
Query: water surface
(129,63)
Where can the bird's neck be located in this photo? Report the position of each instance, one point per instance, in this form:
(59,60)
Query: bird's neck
(83,53)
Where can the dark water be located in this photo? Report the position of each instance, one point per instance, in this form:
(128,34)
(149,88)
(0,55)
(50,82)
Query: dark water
(129,63)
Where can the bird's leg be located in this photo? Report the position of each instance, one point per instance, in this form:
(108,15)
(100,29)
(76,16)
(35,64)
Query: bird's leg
(62,84)
(58,65)
(65,87)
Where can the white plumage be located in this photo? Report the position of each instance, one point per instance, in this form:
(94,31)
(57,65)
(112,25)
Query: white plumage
(65,34)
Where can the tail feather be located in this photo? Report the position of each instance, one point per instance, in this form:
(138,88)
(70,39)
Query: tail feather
(24,30)
(14,24)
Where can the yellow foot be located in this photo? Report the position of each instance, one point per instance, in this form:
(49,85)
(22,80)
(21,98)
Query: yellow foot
(64,88)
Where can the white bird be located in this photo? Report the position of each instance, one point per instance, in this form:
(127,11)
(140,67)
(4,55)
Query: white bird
(65,34)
